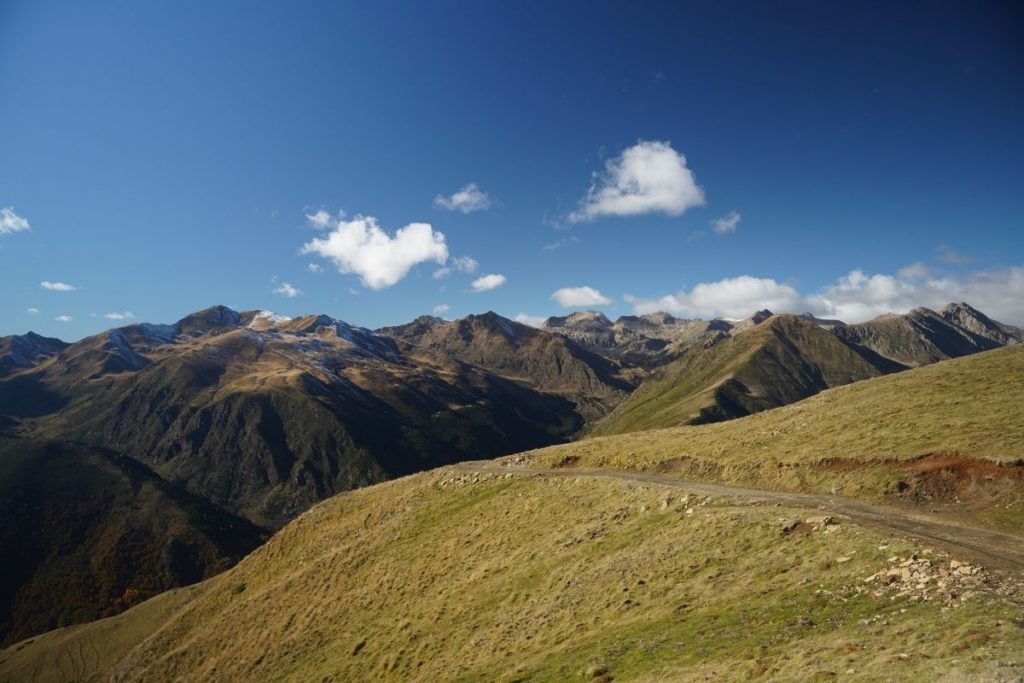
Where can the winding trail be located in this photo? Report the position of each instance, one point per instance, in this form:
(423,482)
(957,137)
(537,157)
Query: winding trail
(990,548)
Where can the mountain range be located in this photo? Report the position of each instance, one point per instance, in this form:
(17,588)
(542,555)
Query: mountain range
(613,558)
(220,428)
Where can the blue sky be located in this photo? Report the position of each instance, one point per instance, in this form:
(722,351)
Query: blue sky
(163,157)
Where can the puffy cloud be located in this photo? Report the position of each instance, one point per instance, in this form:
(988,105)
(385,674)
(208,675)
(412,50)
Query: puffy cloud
(380,260)
(11,222)
(727,223)
(463,264)
(947,254)
(855,297)
(574,297)
(63,318)
(531,320)
(441,309)
(858,296)
(286,289)
(467,200)
(126,315)
(649,177)
(488,282)
(314,268)
(32,311)
(731,298)
(57,286)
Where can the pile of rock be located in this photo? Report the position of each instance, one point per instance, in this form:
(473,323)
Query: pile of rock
(919,578)
(520,460)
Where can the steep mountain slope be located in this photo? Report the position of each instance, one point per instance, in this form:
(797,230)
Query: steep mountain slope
(537,358)
(87,533)
(924,336)
(266,415)
(511,574)
(779,361)
(24,351)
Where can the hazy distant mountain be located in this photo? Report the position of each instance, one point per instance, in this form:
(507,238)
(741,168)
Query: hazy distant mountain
(645,341)
(542,360)
(924,336)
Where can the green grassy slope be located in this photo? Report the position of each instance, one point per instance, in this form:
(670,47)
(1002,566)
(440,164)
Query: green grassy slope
(775,363)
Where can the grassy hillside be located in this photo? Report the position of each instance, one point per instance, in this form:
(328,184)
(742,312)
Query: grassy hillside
(447,576)
(775,363)
(952,432)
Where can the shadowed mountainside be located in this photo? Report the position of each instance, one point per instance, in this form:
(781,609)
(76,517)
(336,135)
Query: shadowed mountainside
(87,533)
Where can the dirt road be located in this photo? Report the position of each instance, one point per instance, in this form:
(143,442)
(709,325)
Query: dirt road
(989,548)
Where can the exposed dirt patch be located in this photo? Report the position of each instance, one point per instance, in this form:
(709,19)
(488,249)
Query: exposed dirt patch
(944,477)
(568,461)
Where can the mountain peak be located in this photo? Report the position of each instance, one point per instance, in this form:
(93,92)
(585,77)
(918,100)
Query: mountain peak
(578,320)
(212,319)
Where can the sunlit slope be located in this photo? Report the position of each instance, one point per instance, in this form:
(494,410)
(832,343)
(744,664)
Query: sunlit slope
(779,361)
(972,405)
(447,576)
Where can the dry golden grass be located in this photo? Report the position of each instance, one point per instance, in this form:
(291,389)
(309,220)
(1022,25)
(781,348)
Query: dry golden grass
(970,406)
(446,576)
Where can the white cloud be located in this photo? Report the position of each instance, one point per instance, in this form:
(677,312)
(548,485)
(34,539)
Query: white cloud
(488,282)
(855,297)
(441,309)
(531,320)
(558,244)
(63,318)
(380,260)
(57,286)
(286,289)
(321,220)
(126,315)
(314,268)
(463,264)
(649,177)
(574,297)
(915,271)
(731,298)
(470,198)
(727,223)
(947,254)
(11,222)
(32,311)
